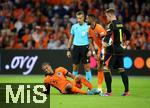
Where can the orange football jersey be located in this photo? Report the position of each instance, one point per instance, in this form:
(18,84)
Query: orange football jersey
(96,34)
(58,79)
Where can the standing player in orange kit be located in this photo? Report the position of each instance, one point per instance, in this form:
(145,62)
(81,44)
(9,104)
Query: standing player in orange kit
(58,79)
(96,33)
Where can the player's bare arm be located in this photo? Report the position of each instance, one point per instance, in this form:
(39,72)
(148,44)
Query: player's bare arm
(69,46)
(92,49)
(69,74)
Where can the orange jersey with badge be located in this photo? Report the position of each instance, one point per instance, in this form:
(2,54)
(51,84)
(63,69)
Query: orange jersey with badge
(58,79)
(96,34)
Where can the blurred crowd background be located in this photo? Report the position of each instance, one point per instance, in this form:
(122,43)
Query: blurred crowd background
(45,24)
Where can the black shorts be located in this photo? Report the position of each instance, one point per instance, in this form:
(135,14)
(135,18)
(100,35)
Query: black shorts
(116,60)
(79,54)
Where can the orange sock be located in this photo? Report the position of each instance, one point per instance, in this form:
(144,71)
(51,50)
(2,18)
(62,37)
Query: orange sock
(77,90)
(86,83)
(100,78)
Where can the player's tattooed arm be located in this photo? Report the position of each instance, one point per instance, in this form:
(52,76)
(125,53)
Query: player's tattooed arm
(91,48)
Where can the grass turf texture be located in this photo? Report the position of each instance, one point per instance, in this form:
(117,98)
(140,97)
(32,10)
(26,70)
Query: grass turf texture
(139,88)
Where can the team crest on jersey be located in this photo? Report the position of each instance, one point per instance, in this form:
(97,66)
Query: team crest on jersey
(96,34)
(59,74)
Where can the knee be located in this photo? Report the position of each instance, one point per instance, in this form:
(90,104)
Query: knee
(68,88)
(106,69)
(87,67)
(100,68)
(120,70)
(78,78)
(75,67)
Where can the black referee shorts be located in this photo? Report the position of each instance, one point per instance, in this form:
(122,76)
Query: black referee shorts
(79,54)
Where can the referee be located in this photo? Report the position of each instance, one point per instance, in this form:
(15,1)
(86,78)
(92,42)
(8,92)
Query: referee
(79,39)
(115,31)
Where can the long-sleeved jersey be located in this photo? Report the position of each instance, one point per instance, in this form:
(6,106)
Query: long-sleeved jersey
(116,31)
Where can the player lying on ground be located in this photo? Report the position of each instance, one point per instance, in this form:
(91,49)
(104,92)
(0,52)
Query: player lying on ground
(57,79)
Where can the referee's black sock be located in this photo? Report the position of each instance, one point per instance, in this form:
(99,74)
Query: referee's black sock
(125,81)
(108,80)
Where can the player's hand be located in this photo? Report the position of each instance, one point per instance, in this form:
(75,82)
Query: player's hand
(89,53)
(105,44)
(98,65)
(96,57)
(123,46)
(68,54)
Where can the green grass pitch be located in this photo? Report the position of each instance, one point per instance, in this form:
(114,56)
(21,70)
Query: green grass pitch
(139,98)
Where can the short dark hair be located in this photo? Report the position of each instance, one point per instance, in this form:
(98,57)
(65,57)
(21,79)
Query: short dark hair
(46,63)
(80,13)
(91,15)
(110,11)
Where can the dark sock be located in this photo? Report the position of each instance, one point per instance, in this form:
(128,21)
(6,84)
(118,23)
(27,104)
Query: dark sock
(47,88)
(125,81)
(108,80)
